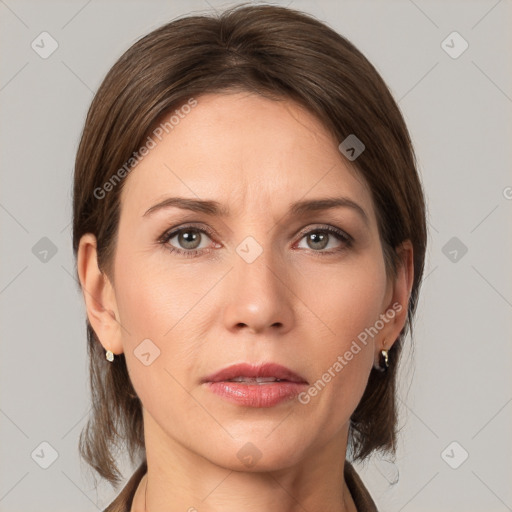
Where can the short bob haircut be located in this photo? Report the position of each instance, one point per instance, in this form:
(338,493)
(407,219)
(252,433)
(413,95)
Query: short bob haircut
(278,53)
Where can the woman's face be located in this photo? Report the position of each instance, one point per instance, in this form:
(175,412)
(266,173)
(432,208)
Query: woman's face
(261,283)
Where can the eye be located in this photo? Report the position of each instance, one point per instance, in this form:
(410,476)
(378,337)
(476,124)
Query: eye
(188,241)
(191,241)
(320,239)
(188,238)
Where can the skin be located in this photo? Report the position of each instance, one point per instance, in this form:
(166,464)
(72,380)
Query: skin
(292,305)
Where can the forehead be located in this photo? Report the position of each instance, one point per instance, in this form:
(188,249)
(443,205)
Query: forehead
(243,150)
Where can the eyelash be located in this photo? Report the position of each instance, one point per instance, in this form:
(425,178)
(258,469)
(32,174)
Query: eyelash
(193,253)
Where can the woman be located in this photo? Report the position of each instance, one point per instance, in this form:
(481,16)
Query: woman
(249,228)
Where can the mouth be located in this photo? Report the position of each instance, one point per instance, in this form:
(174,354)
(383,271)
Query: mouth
(256,380)
(255,374)
(264,385)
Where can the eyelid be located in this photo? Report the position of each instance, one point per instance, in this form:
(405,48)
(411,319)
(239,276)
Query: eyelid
(341,235)
(171,232)
(302,232)
(324,227)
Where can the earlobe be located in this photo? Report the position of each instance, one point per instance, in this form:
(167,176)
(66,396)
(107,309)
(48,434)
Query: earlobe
(98,295)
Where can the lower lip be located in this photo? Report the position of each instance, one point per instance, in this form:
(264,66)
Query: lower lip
(257,395)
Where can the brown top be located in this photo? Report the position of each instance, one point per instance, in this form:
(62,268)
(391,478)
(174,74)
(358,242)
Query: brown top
(361,497)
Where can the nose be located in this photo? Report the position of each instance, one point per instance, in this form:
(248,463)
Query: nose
(260,296)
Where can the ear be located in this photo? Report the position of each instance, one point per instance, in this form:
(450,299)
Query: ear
(397,300)
(99,296)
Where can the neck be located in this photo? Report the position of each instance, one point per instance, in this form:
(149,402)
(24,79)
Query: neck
(194,484)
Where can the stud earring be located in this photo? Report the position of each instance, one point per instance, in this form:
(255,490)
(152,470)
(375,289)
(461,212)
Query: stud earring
(109,355)
(383,361)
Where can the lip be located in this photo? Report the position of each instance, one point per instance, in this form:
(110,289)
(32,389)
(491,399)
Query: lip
(256,394)
(253,371)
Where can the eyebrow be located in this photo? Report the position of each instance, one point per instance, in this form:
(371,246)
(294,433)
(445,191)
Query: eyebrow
(209,207)
(298,208)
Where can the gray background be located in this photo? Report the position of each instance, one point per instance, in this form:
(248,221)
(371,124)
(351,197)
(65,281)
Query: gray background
(456,384)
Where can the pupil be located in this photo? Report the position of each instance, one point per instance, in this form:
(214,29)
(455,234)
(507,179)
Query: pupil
(319,238)
(188,238)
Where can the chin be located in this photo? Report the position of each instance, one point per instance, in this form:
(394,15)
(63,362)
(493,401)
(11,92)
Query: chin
(259,452)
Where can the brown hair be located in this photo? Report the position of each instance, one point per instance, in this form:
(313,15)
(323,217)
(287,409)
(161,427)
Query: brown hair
(279,53)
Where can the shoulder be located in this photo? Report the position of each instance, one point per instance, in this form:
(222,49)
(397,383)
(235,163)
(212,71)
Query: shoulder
(123,501)
(362,498)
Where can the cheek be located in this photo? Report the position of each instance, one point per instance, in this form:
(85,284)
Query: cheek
(347,298)
(151,296)
(155,304)
(349,305)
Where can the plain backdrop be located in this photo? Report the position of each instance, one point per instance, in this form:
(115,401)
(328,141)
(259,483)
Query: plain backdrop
(455,450)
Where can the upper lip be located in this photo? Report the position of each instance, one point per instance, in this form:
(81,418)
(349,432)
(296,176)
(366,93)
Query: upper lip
(250,370)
